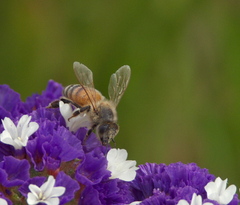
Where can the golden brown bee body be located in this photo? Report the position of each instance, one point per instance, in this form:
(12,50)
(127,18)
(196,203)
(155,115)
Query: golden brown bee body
(81,96)
(101,112)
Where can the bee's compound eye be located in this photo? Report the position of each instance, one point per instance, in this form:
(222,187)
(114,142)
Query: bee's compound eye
(103,128)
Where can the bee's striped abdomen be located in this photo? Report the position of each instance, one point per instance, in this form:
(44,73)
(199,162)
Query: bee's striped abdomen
(82,96)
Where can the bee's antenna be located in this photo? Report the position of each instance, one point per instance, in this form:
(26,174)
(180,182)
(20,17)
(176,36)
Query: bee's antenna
(114,143)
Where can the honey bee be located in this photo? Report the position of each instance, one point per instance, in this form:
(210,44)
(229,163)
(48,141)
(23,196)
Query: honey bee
(101,111)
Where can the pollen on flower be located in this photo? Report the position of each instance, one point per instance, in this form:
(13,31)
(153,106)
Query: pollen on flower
(217,191)
(119,166)
(17,136)
(47,193)
(73,123)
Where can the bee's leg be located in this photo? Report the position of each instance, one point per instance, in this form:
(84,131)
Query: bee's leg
(65,100)
(89,132)
(79,110)
(86,108)
(54,104)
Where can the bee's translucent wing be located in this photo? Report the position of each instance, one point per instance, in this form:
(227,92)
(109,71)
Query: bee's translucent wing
(118,84)
(83,74)
(85,78)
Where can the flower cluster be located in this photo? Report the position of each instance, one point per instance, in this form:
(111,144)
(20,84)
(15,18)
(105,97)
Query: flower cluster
(45,158)
(178,183)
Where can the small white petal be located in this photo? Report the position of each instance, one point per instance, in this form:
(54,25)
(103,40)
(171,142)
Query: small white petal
(119,166)
(135,203)
(217,191)
(10,127)
(117,155)
(18,136)
(196,200)
(6,137)
(221,184)
(228,194)
(28,131)
(35,190)
(47,193)
(23,122)
(32,199)
(125,176)
(47,187)
(74,123)
(52,201)
(3,201)
(58,191)
(182,202)
(65,110)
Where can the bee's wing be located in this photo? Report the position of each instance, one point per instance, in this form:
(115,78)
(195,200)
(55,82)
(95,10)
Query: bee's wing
(83,74)
(118,84)
(85,78)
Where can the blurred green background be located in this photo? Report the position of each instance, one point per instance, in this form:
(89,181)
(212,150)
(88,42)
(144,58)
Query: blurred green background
(183,100)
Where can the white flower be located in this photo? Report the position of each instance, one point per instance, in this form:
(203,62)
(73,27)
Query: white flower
(196,200)
(47,193)
(135,203)
(3,201)
(18,136)
(217,191)
(74,123)
(119,166)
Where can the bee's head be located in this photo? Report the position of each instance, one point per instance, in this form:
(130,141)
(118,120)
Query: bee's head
(106,131)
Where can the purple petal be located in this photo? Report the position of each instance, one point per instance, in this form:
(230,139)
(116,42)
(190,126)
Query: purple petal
(89,143)
(93,168)
(70,146)
(41,114)
(176,181)
(89,196)
(17,171)
(36,181)
(71,187)
(52,92)
(114,192)
(35,150)
(4,113)
(6,150)
(10,102)
(52,145)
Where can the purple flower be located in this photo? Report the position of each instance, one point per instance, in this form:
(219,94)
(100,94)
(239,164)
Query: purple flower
(167,184)
(77,163)
(8,174)
(52,145)
(46,159)
(112,191)
(92,169)
(52,92)
(10,102)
